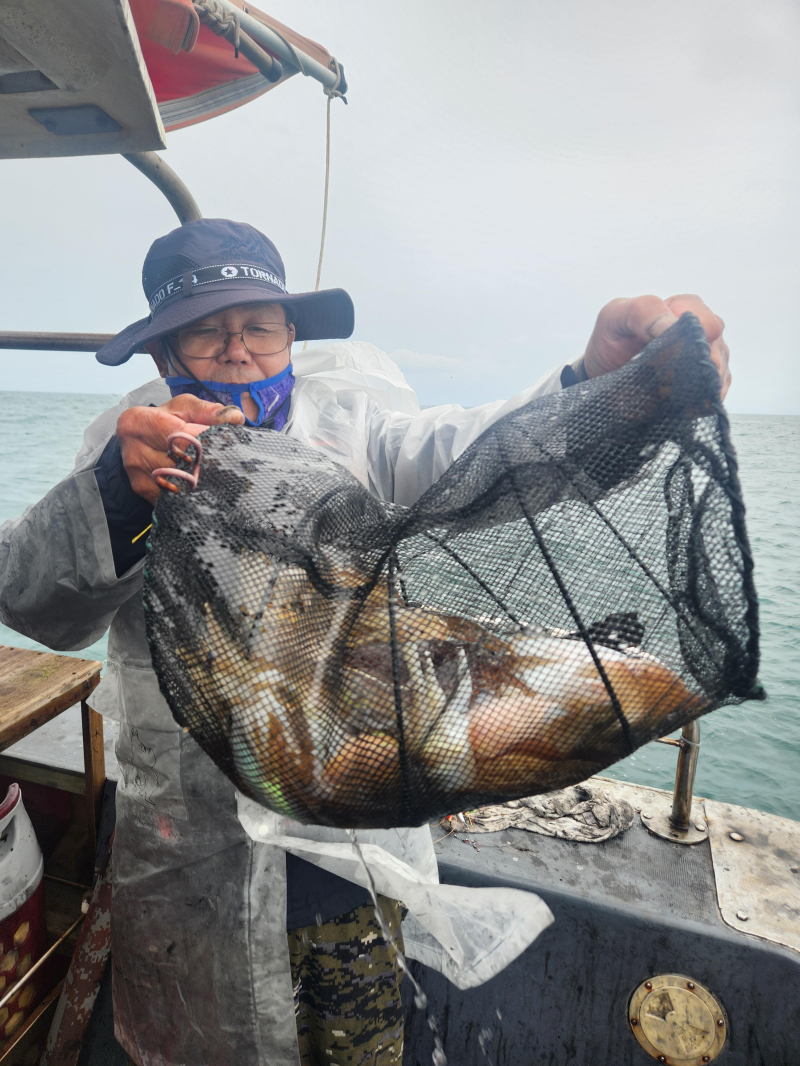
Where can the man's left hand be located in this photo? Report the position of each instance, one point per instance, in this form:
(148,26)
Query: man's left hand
(626,325)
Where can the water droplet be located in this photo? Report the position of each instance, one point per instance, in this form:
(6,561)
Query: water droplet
(484,1036)
(420,1000)
(438,1057)
(499,1015)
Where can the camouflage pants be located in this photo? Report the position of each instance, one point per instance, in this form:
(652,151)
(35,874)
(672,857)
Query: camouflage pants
(347,990)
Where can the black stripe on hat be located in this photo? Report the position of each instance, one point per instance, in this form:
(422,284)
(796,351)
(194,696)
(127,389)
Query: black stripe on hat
(210,275)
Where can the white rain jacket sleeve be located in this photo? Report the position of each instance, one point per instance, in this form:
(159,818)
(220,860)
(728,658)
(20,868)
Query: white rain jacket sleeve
(354,403)
(58,584)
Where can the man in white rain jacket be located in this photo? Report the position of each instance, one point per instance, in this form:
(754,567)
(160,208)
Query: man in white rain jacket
(202,971)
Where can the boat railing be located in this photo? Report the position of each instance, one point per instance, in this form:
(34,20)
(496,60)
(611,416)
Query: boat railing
(677,823)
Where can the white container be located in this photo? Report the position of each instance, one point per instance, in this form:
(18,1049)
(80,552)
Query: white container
(21,860)
(23,923)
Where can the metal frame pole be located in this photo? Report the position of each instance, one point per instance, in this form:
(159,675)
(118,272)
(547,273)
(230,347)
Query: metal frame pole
(183,203)
(166,181)
(35,341)
(288,54)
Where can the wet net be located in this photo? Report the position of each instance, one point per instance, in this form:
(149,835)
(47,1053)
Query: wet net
(575,585)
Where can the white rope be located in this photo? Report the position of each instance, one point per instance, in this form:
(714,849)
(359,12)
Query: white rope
(219,20)
(291,49)
(325,198)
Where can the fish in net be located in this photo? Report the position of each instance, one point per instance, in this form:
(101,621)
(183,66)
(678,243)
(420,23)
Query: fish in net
(576,584)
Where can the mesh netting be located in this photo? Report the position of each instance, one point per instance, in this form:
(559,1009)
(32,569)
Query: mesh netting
(575,585)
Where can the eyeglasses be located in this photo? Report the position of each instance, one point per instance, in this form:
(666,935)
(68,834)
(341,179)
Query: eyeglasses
(207,342)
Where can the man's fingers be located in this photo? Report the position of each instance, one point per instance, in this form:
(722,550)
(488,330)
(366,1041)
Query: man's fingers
(143,433)
(229,416)
(623,328)
(711,323)
(626,325)
(642,319)
(202,412)
(720,355)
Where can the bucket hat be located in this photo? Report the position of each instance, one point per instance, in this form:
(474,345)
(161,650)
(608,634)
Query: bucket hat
(211,264)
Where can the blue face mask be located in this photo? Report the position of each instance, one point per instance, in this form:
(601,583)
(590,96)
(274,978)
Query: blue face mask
(272,395)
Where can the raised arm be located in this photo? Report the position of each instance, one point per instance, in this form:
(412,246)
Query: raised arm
(58,584)
(65,567)
(408,453)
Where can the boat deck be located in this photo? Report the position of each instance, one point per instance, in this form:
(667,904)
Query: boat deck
(626,910)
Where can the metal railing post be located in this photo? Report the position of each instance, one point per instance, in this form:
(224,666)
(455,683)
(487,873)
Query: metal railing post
(684,776)
(677,824)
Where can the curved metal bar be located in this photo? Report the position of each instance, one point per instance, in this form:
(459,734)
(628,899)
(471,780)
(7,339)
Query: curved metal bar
(167,181)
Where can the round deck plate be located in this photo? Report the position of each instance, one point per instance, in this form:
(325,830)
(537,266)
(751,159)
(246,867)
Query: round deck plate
(677,1021)
(657,821)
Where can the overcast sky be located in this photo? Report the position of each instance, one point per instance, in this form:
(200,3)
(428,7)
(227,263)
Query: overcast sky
(502,171)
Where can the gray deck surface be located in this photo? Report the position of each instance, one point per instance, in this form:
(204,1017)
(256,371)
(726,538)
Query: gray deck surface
(625,910)
(635,868)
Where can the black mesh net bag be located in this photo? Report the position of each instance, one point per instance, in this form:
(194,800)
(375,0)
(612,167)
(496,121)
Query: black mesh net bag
(577,584)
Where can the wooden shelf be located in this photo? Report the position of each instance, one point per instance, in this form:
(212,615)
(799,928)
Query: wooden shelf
(35,686)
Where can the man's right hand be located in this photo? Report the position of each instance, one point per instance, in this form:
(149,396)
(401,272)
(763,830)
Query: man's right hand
(142,433)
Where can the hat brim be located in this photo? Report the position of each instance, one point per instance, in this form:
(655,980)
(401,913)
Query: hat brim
(324,315)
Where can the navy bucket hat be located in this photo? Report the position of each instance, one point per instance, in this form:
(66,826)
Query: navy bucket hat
(209,265)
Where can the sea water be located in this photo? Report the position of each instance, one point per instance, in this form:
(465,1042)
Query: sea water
(750,754)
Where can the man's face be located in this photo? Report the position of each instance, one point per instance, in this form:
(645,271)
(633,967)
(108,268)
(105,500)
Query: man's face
(234,365)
